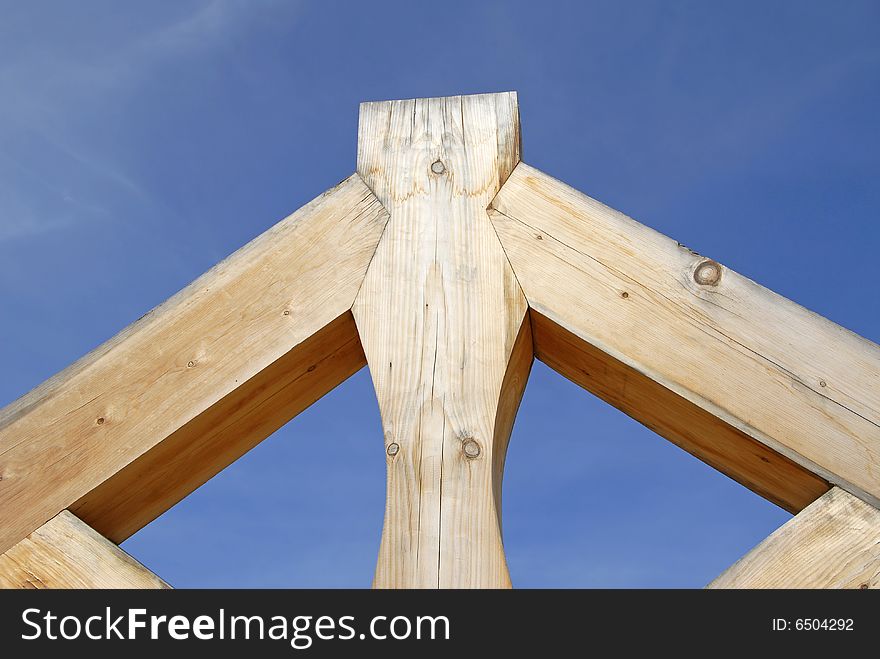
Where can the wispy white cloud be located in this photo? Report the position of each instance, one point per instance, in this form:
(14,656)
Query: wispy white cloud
(48,95)
(209,27)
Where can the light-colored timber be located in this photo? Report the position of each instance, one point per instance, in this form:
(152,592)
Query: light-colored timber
(444,327)
(447,265)
(768,392)
(65,552)
(832,543)
(135,426)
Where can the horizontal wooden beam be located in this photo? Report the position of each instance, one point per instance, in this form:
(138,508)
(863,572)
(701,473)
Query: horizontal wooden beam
(833,543)
(768,392)
(139,423)
(65,552)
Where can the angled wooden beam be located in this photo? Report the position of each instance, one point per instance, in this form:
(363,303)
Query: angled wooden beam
(773,395)
(832,543)
(139,423)
(65,552)
(444,327)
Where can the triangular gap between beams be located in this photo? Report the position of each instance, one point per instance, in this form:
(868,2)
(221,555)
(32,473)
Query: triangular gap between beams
(593,500)
(303,509)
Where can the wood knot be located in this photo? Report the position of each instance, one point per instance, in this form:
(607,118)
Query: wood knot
(393,449)
(471,448)
(438,167)
(708,273)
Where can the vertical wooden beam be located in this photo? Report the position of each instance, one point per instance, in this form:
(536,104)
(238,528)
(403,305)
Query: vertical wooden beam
(65,552)
(832,543)
(444,327)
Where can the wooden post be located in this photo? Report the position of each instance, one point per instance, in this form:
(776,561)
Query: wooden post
(403,266)
(445,330)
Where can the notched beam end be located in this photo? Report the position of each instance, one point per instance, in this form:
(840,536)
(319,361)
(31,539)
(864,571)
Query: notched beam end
(405,146)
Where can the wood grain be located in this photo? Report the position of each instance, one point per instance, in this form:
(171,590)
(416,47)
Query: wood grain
(832,543)
(136,425)
(67,553)
(196,452)
(444,328)
(618,308)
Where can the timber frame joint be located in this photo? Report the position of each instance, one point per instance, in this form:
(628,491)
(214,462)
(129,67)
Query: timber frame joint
(447,265)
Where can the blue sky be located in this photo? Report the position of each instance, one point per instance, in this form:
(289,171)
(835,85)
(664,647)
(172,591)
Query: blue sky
(142,143)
